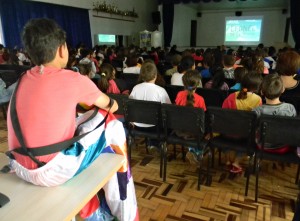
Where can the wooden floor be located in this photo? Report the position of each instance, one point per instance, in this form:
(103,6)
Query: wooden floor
(178,197)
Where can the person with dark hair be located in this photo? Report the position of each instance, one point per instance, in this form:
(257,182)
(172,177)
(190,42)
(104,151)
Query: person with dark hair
(272,88)
(86,58)
(228,63)
(186,63)
(239,73)
(191,80)
(217,81)
(208,63)
(246,99)
(46,99)
(132,65)
(176,59)
(108,83)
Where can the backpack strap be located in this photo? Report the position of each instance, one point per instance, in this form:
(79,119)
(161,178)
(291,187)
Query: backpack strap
(48,149)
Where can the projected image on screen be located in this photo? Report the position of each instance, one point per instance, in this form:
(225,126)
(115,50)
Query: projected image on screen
(107,39)
(243,30)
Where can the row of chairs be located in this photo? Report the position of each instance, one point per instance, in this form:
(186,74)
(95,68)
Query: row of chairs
(237,131)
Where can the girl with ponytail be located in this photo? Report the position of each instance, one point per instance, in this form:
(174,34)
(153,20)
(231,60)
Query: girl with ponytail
(191,80)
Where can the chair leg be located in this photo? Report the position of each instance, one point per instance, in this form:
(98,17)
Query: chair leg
(219,157)
(250,164)
(209,177)
(257,175)
(200,166)
(212,157)
(297,175)
(165,161)
(129,144)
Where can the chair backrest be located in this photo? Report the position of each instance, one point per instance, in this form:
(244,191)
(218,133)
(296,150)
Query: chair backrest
(279,129)
(212,97)
(232,123)
(147,112)
(131,79)
(172,91)
(187,119)
(121,99)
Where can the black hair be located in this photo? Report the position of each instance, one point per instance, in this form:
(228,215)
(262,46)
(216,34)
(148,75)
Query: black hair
(41,38)
(186,63)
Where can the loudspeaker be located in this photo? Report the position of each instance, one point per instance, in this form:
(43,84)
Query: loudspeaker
(199,14)
(238,13)
(156,17)
(193,38)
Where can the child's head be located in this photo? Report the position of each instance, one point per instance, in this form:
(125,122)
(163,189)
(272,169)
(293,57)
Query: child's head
(107,73)
(186,63)
(288,63)
(250,83)
(228,60)
(191,80)
(272,86)
(218,78)
(42,38)
(239,73)
(148,72)
(85,69)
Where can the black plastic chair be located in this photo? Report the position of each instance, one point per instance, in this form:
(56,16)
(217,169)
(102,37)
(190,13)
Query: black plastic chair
(212,97)
(278,130)
(236,129)
(188,120)
(121,99)
(131,79)
(172,91)
(147,112)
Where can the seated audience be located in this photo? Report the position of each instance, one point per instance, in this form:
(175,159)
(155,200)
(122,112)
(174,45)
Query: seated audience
(271,88)
(132,66)
(246,99)
(217,81)
(108,83)
(228,62)
(149,91)
(239,73)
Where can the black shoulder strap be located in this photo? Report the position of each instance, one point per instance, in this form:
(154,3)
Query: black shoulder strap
(48,149)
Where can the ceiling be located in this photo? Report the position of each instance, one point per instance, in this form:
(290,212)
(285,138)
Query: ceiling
(240,4)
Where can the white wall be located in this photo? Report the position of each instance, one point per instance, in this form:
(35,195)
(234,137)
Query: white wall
(183,15)
(143,8)
(211,26)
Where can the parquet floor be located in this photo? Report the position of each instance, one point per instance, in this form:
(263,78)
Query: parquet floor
(178,199)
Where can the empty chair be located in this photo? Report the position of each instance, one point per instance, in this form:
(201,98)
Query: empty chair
(212,97)
(278,130)
(236,131)
(131,79)
(188,120)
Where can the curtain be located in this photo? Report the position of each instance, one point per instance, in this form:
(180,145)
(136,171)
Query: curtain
(15,13)
(295,22)
(168,19)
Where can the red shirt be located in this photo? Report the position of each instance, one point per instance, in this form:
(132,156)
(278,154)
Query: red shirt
(46,106)
(181,100)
